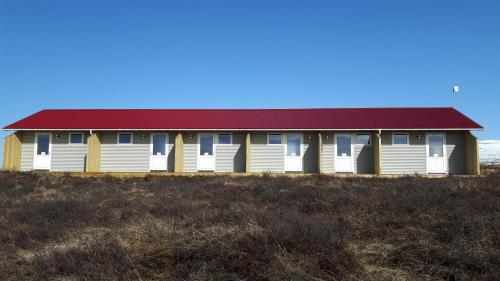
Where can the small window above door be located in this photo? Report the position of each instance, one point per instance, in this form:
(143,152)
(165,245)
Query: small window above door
(364,139)
(125,138)
(225,139)
(76,138)
(400,139)
(274,138)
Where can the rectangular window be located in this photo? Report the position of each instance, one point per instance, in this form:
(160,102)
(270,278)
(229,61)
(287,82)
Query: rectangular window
(363,139)
(76,138)
(43,142)
(293,145)
(224,138)
(435,145)
(159,144)
(343,145)
(206,145)
(400,138)
(125,138)
(274,139)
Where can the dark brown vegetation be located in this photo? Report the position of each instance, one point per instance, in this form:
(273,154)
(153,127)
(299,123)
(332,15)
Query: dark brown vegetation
(249,228)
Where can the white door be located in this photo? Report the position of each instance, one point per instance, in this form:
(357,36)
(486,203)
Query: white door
(436,154)
(293,153)
(343,161)
(158,152)
(206,158)
(43,151)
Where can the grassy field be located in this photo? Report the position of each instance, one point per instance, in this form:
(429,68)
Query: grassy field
(249,228)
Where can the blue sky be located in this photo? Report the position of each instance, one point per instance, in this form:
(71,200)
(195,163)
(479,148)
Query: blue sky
(250,54)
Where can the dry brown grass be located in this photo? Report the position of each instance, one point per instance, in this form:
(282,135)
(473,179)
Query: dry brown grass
(249,228)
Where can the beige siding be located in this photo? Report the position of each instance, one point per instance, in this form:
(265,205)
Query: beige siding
(93,161)
(68,157)
(12,152)
(472,165)
(403,159)
(125,158)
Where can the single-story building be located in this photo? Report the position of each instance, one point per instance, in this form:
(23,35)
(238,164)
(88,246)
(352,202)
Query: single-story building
(315,140)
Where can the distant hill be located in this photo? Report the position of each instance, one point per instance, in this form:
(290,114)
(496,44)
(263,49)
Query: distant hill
(489,151)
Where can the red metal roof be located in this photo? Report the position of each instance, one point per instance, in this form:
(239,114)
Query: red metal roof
(241,119)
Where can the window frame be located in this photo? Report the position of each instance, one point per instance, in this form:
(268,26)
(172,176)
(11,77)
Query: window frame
(362,134)
(284,141)
(351,146)
(35,149)
(230,139)
(401,144)
(428,145)
(76,143)
(199,136)
(281,139)
(151,143)
(125,133)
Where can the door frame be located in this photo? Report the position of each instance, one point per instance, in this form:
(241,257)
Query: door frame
(167,140)
(445,155)
(335,145)
(35,150)
(199,148)
(301,151)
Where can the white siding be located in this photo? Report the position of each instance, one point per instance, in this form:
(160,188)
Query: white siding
(125,158)
(266,158)
(27,151)
(455,152)
(362,155)
(231,158)
(403,159)
(363,159)
(190,153)
(224,157)
(171,152)
(327,153)
(310,153)
(66,157)
(395,159)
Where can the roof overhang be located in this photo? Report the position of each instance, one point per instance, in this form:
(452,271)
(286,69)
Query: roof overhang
(312,119)
(262,130)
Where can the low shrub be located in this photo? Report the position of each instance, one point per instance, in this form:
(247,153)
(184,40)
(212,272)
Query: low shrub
(249,228)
